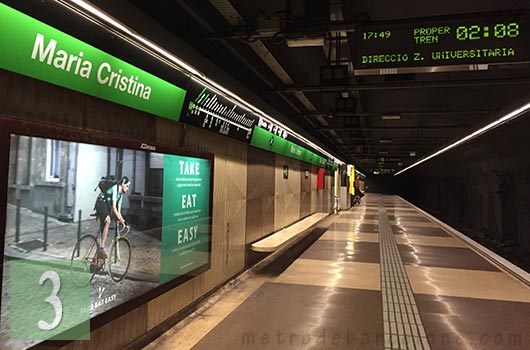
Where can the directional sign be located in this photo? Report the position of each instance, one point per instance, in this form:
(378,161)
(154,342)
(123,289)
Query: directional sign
(390,159)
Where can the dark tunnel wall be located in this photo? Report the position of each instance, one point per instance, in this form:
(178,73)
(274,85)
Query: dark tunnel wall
(384,184)
(482,189)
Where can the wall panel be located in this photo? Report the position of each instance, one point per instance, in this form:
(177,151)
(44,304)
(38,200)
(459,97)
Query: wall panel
(305,190)
(287,193)
(230,187)
(260,194)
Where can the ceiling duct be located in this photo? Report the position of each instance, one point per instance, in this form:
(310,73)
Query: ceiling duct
(306,41)
(296,8)
(345,105)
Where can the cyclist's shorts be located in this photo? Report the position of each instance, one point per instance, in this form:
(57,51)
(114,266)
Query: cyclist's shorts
(102,210)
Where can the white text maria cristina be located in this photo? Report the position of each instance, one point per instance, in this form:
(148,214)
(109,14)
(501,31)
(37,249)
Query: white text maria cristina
(75,64)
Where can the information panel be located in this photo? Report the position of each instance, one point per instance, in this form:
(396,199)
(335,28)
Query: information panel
(475,39)
(209,110)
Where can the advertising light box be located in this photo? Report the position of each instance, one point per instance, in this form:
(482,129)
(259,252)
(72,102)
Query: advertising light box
(59,187)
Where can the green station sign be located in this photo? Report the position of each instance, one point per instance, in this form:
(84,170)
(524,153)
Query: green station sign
(268,141)
(35,49)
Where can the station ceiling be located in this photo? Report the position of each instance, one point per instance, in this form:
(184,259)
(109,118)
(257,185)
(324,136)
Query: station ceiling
(364,118)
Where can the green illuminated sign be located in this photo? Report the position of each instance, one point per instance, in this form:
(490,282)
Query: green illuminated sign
(185,215)
(480,39)
(384,171)
(32,48)
(266,140)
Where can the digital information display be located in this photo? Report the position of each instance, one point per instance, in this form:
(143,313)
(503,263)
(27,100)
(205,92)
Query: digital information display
(481,39)
(209,110)
(54,279)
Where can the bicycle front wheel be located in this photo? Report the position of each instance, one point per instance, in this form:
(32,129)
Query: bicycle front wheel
(84,260)
(119,259)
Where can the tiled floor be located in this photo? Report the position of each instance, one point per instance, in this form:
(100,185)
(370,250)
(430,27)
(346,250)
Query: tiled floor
(383,276)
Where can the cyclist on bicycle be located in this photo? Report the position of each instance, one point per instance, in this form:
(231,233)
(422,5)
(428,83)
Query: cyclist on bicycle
(108,203)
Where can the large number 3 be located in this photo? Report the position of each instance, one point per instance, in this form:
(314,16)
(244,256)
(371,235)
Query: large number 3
(52,299)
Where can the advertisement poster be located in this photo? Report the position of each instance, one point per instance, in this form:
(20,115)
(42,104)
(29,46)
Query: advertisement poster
(185,221)
(58,195)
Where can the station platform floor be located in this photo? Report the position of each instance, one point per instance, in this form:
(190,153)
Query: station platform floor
(381,275)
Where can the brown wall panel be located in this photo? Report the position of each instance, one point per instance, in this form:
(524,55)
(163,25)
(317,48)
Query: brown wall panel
(314,191)
(26,98)
(287,193)
(39,101)
(260,194)
(305,189)
(325,196)
(168,304)
(229,202)
(228,223)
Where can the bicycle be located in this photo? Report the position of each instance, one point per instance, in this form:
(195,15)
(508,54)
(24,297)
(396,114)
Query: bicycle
(87,259)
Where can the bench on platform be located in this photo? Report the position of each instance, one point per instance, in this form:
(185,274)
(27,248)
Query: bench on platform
(286,235)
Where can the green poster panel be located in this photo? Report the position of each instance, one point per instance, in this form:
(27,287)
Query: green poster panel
(35,49)
(185,215)
(45,303)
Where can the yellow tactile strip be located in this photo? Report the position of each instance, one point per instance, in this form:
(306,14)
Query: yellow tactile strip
(403,328)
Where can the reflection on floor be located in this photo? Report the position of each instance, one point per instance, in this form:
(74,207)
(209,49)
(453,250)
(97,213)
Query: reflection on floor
(381,276)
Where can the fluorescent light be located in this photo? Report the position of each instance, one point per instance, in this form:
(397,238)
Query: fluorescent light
(306,42)
(118,25)
(391,117)
(155,50)
(385,141)
(510,116)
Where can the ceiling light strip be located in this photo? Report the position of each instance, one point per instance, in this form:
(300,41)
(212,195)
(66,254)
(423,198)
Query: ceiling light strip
(189,70)
(510,116)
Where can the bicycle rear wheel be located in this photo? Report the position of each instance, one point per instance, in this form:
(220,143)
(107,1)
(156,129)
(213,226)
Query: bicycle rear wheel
(119,259)
(84,260)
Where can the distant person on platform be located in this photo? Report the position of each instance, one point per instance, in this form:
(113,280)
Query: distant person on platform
(357,188)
